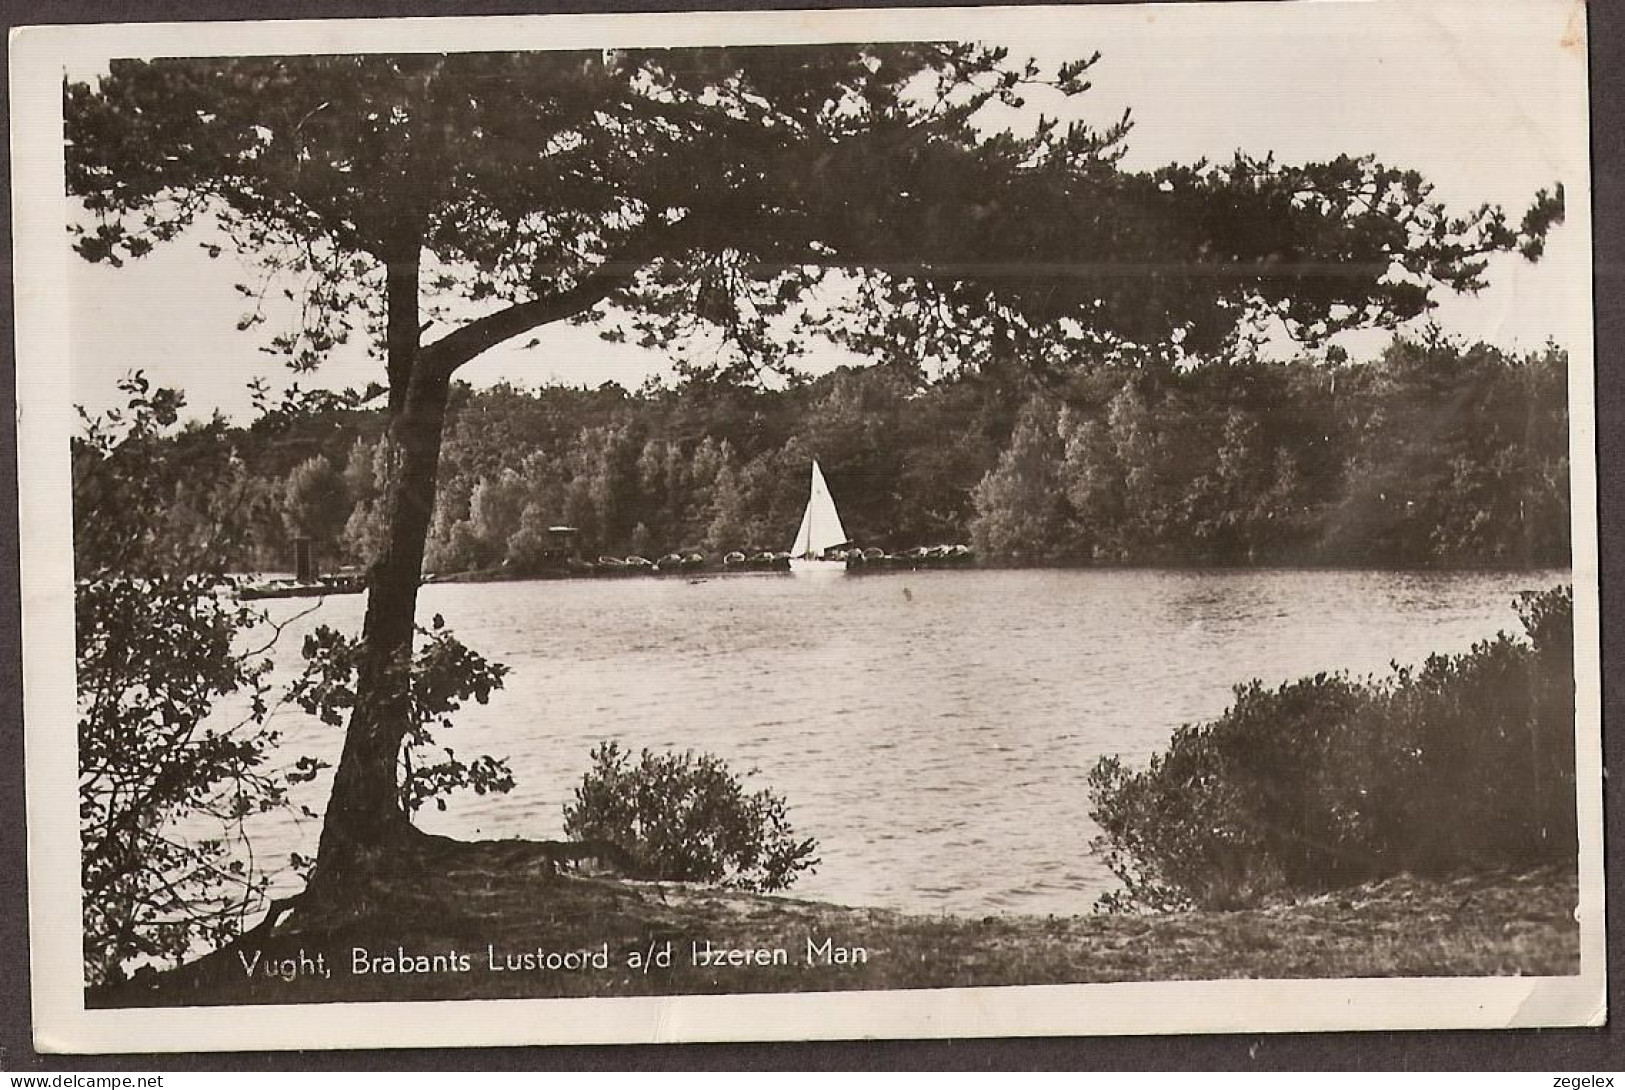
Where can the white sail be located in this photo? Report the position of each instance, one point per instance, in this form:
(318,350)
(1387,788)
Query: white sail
(820,524)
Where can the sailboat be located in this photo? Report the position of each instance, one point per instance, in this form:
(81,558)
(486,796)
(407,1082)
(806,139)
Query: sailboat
(820,531)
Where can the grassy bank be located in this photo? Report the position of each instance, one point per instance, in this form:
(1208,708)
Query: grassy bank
(502,897)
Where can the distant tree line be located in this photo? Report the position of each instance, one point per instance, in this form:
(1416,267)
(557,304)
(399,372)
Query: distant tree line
(1434,453)
(1431,454)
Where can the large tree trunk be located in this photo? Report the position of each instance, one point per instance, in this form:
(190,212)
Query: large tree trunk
(365,827)
(364,817)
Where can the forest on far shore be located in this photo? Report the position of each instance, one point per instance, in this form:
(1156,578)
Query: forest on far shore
(1434,453)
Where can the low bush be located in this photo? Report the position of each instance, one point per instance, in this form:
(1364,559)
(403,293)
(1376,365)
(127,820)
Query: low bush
(687,817)
(1464,762)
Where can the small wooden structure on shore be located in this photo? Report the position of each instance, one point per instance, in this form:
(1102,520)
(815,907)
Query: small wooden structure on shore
(307,582)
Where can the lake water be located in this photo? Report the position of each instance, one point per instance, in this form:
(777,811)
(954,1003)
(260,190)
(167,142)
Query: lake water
(933,730)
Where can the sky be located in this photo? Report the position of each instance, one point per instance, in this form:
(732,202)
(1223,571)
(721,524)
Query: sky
(1488,101)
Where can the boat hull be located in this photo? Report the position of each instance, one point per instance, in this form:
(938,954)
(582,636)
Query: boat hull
(814,566)
(255,592)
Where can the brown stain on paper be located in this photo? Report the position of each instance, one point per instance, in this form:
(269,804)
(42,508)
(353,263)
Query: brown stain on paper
(1574,31)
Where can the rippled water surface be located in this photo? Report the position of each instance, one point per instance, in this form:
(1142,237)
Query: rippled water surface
(933,729)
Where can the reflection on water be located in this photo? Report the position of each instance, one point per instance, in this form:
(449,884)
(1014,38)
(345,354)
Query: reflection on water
(933,729)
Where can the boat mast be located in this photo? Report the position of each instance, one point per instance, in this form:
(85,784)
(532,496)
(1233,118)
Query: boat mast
(812,504)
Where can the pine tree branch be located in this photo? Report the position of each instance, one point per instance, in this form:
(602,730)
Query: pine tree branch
(463,344)
(442,358)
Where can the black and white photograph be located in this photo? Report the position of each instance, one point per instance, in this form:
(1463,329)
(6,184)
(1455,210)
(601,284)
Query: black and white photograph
(793,525)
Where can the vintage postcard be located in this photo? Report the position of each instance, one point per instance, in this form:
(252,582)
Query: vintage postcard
(805,525)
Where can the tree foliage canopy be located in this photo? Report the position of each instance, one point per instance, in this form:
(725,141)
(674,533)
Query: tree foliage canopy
(695,188)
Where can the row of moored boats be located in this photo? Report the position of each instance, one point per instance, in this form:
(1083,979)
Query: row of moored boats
(931,556)
(855,560)
(679,563)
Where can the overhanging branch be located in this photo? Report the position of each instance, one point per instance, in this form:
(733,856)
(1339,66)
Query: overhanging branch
(442,358)
(463,344)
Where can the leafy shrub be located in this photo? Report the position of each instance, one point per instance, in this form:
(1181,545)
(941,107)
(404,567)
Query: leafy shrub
(1325,782)
(446,674)
(162,796)
(687,817)
(163,790)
